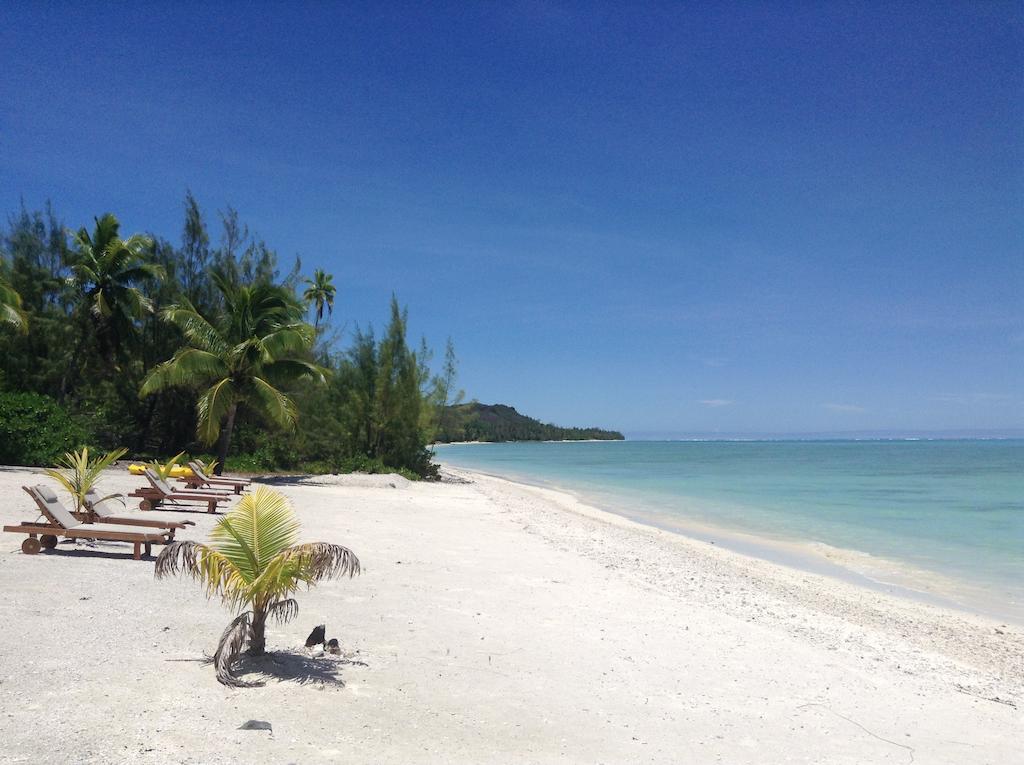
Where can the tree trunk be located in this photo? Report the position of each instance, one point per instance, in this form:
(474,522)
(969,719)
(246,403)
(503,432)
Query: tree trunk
(258,638)
(225,439)
(69,380)
(148,423)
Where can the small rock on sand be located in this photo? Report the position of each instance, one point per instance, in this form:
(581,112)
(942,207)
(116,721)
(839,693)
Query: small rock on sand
(256,725)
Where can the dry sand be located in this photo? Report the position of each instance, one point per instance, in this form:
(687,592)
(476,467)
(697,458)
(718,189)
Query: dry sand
(496,623)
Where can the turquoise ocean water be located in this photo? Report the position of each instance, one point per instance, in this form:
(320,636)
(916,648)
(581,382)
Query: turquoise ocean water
(944,517)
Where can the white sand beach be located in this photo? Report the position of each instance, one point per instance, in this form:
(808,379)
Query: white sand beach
(495,623)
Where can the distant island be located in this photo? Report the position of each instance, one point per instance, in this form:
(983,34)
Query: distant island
(498,422)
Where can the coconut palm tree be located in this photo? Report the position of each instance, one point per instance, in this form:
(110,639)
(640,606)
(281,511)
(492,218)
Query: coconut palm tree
(10,308)
(108,272)
(320,293)
(242,357)
(252,562)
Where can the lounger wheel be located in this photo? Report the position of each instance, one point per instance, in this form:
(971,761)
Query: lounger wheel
(31,546)
(48,541)
(145,505)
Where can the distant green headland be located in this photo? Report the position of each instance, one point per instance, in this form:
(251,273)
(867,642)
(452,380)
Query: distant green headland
(499,422)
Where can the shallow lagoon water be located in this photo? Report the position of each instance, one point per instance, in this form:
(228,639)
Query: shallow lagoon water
(939,516)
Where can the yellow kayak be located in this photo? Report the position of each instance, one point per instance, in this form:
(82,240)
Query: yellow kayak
(178,471)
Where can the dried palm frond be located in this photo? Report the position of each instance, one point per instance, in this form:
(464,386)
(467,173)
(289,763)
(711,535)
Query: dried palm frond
(283,611)
(232,641)
(177,558)
(319,560)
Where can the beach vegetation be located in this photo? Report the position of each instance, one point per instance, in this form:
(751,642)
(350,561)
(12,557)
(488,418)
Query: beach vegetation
(445,397)
(319,294)
(254,566)
(35,429)
(200,345)
(11,312)
(165,468)
(77,472)
(108,275)
(106,281)
(474,421)
(383,389)
(241,356)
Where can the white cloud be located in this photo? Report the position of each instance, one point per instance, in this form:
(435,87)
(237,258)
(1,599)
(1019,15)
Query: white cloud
(716,402)
(848,408)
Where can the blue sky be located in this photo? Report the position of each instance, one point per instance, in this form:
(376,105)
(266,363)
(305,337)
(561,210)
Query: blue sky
(738,217)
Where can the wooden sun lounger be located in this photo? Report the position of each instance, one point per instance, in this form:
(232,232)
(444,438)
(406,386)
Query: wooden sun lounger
(61,523)
(199,479)
(100,511)
(160,492)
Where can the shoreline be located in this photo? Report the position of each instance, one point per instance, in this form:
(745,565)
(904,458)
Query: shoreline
(947,628)
(809,605)
(855,567)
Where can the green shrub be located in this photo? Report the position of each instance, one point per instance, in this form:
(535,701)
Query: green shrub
(255,462)
(35,430)
(264,460)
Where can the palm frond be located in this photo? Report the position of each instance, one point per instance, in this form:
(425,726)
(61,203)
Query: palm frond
(189,367)
(229,647)
(10,308)
(77,473)
(289,370)
(288,340)
(163,375)
(82,273)
(140,272)
(283,611)
(259,528)
(100,305)
(197,330)
(319,560)
(274,404)
(204,564)
(180,557)
(14,316)
(136,244)
(212,407)
(165,469)
(82,240)
(136,304)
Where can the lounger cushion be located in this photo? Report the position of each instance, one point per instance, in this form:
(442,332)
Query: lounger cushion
(198,494)
(101,529)
(47,498)
(217,478)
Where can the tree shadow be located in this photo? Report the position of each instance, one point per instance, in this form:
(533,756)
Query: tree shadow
(292,666)
(283,480)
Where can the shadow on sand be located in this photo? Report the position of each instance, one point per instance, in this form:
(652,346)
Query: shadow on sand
(283,480)
(67,548)
(295,667)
